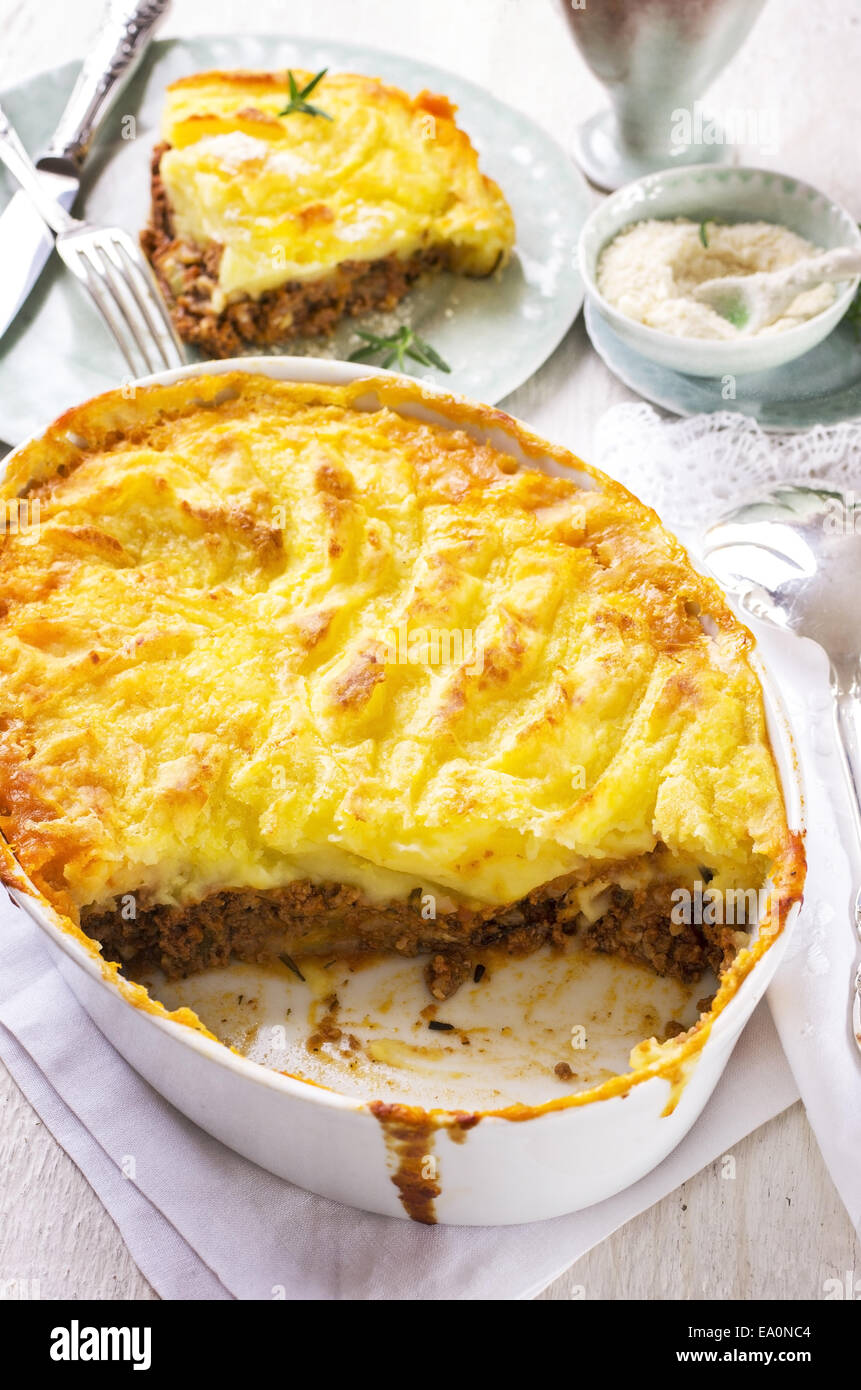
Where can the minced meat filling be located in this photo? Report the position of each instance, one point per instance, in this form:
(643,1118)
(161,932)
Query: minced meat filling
(317,919)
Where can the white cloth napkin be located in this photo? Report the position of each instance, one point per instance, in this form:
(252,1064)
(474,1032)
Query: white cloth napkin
(202,1222)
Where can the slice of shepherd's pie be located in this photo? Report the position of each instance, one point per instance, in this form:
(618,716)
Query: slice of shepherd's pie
(269,223)
(289,668)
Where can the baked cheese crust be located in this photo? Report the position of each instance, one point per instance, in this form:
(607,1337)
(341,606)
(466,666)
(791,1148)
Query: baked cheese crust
(219,674)
(247,201)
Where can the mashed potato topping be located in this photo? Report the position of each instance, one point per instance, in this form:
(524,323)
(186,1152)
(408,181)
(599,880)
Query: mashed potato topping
(202,682)
(648,271)
(291,197)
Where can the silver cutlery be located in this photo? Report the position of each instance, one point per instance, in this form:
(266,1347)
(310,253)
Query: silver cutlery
(25,241)
(794,559)
(109,265)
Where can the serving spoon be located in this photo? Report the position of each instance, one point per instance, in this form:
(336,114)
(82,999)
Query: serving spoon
(751,302)
(794,559)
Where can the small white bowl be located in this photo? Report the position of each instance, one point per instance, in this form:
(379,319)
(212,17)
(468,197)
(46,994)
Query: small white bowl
(728,195)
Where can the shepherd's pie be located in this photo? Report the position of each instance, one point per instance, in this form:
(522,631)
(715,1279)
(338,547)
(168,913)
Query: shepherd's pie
(294,669)
(267,225)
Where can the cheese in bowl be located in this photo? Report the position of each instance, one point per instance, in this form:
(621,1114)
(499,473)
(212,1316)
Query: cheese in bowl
(291,668)
(650,270)
(271,221)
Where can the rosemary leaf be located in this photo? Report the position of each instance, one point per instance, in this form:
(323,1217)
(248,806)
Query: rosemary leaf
(434,358)
(365,354)
(306,91)
(291,965)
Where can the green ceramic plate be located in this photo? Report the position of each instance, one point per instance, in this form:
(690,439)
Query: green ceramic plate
(821,388)
(494,333)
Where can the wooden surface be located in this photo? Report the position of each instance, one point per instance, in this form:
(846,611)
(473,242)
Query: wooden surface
(778,1230)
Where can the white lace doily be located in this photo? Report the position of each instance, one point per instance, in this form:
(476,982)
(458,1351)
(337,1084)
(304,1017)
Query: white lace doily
(692,471)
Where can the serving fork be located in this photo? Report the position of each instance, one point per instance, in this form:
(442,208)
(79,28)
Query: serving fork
(109,265)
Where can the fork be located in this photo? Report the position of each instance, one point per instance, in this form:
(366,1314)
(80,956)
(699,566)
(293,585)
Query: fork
(110,267)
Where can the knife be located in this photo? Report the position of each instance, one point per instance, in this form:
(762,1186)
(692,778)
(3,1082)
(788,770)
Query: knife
(25,241)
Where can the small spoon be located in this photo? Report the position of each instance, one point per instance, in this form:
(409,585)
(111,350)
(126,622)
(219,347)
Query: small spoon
(794,559)
(751,302)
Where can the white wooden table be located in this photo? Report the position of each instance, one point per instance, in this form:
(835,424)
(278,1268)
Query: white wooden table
(779,1230)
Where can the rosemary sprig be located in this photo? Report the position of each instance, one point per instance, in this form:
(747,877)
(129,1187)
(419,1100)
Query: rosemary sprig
(299,97)
(397,347)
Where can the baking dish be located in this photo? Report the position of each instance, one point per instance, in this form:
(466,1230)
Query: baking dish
(504,1163)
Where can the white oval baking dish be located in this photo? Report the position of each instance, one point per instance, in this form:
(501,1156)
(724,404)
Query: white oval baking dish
(534,1164)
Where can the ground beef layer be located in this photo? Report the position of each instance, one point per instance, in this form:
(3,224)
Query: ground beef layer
(188,275)
(335,919)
